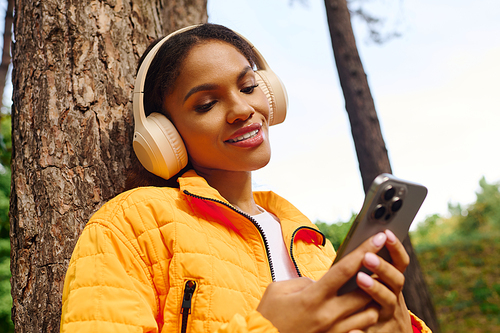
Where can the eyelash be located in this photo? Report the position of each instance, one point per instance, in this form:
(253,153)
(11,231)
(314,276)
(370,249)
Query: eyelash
(205,107)
(249,90)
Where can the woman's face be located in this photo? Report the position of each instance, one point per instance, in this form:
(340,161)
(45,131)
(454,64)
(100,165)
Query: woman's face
(219,111)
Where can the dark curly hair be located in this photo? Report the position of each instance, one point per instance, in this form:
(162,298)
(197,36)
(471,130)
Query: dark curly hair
(165,67)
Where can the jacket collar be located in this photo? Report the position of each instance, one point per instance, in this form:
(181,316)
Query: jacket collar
(270,201)
(293,222)
(194,184)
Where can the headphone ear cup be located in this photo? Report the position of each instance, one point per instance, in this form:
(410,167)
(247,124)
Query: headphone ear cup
(159,147)
(276,94)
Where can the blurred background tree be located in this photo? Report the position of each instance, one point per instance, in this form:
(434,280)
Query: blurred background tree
(367,135)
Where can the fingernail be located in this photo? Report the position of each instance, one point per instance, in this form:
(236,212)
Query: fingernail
(391,238)
(371,260)
(364,280)
(379,239)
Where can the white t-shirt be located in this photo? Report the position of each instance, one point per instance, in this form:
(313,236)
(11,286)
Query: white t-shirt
(283,266)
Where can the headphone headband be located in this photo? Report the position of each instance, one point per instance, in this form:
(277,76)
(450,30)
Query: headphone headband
(140,79)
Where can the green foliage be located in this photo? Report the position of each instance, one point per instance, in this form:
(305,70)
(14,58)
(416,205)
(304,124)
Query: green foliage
(460,261)
(336,232)
(6,324)
(477,221)
(484,215)
(5,140)
(5,175)
(5,155)
(463,281)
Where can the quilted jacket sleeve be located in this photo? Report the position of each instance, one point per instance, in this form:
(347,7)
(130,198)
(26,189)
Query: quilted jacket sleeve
(107,289)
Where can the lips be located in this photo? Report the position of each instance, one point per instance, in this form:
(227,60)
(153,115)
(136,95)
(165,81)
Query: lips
(245,133)
(247,137)
(244,136)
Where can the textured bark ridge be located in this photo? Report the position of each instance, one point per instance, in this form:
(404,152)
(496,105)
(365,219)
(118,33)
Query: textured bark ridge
(74,66)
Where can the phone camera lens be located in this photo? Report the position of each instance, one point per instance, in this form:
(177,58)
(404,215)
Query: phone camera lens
(396,204)
(389,193)
(379,212)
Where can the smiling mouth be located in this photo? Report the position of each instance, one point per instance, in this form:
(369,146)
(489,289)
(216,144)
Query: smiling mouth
(244,136)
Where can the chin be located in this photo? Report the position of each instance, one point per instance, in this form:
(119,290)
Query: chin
(262,163)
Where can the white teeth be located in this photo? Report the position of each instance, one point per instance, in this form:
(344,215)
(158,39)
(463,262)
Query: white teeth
(244,136)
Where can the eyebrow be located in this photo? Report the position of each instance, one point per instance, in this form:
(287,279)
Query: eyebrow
(201,87)
(211,86)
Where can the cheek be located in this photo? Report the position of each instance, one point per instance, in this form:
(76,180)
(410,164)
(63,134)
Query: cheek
(263,106)
(197,136)
(193,139)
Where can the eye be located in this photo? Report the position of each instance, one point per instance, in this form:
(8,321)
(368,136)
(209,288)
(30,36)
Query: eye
(204,107)
(249,90)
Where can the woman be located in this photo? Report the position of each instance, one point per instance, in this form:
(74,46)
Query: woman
(202,255)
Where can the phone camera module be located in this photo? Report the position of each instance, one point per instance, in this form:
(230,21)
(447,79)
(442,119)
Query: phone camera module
(397,203)
(379,211)
(389,193)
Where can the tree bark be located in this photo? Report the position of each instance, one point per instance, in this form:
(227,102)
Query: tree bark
(74,64)
(369,143)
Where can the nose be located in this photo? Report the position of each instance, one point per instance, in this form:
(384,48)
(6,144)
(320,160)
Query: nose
(239,110)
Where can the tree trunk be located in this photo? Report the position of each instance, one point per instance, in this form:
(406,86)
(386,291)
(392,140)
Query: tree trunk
(74,64)
(370,147)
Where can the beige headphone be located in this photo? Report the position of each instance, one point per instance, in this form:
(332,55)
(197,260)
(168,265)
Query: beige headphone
(158,145)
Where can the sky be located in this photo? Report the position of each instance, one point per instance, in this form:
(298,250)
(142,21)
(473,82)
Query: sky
(436,91)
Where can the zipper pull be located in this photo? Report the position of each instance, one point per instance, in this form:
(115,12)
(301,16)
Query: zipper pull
(189,288)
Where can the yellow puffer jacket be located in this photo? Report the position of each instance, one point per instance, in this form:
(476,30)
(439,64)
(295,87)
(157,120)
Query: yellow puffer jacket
(180,260)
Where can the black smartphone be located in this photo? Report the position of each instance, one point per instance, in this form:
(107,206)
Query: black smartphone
(391,203)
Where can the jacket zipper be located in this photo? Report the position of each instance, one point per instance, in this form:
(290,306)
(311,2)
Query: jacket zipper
(189,289)
(291,245)
(251,219)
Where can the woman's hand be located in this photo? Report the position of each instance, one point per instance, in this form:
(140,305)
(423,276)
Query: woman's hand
(386,285)
(301,305)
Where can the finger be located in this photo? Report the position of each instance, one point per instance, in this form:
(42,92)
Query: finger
(335,308)
(385,272)
(358,321)
(379,292)
(348,266)
(349,303)
(399,256)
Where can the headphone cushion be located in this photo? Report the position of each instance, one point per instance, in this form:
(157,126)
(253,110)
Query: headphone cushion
(275,93)
(159,147)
